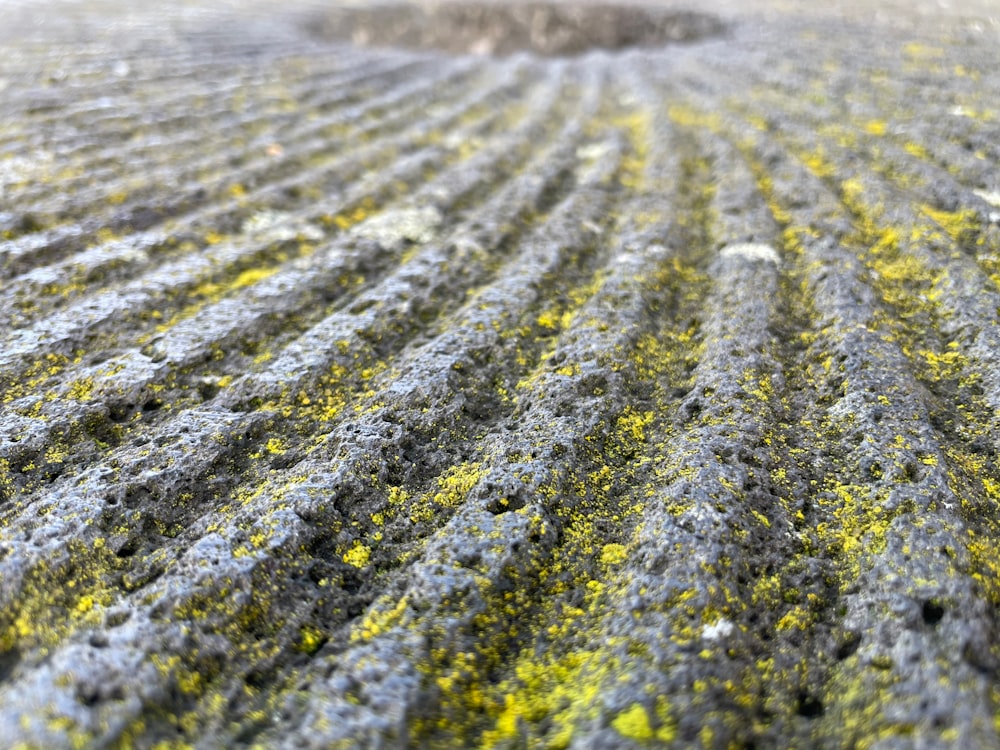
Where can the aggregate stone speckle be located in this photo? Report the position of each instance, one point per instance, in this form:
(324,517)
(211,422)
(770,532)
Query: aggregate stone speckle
(514,375)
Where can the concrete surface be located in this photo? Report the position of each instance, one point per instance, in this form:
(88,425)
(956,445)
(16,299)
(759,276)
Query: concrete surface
(377,396)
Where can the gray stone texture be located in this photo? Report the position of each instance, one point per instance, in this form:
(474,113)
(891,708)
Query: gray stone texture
(499,375)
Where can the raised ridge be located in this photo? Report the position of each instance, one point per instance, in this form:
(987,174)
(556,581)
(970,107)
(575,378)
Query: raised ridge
(374,397)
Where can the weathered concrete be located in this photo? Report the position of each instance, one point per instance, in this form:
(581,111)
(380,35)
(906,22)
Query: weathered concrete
(527,376)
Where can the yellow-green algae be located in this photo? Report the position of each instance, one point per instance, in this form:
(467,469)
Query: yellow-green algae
(459,677)
(450,490)
(42,615)
(642,722)
(909,286)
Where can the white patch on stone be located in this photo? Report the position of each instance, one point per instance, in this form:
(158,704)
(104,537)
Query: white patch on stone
(456,140)
(752,251)
(15,169)
(418,225)
(990,196)
(718,630)
(280,226)
(593,151)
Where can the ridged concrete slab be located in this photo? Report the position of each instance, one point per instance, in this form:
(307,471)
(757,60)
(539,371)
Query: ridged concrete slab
(624,389)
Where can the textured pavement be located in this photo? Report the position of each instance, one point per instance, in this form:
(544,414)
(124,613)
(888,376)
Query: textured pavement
(384,395)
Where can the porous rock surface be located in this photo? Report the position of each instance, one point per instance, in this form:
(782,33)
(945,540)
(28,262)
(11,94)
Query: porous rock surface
(632,386)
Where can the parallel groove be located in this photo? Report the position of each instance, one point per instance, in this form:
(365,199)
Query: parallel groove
(54,241)
(409,169)
(183,137)
(125,381)
(906,446)
(190,468)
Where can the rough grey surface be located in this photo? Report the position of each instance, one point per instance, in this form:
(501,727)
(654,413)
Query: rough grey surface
(624,387)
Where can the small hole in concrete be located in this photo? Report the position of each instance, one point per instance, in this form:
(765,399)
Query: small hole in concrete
(910,472)
(129,548)
(809,706)
(932,612)
(88,695)
(849,643)
(504,504)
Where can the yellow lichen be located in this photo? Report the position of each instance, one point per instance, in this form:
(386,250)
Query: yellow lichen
(358,555)
(310,639)
(876,127)
(613,554)
(961,225)
(633,723)
(276,446)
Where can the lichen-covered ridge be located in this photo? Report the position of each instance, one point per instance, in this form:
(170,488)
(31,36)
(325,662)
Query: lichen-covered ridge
(373,397)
